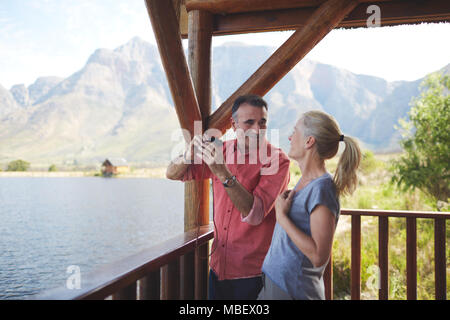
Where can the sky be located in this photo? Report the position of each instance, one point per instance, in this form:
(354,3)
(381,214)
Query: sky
(56,37)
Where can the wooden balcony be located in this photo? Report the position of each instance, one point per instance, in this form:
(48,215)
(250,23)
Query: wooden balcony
(178,268)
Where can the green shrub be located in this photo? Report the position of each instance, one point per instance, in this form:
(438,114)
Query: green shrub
(18,165)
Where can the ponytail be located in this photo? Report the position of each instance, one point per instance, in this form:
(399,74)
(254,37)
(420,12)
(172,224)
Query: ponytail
(345,177)
(325,129)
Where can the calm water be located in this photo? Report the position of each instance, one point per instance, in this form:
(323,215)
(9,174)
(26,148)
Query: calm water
(48,224)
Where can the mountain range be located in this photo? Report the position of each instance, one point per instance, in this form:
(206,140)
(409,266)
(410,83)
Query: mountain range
(119,105)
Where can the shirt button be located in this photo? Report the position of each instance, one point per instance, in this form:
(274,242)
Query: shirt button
(225,228)
(229,211)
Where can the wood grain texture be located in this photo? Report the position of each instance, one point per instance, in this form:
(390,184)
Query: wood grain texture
(166,29)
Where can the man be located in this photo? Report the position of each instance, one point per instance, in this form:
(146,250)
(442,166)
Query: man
(245,187)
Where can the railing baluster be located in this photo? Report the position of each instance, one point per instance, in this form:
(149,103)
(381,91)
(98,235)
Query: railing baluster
(165,282)
(187,276)
(411,258)
(383,257)
(201,271)
(150,286)
(328,278)
(356,258)
(439,259)
(171,280)
(127,293)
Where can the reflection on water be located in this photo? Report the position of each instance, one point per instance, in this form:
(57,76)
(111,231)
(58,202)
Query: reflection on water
(48,224)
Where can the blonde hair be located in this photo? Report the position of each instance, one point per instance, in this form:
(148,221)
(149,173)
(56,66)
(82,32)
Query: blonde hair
(325,130)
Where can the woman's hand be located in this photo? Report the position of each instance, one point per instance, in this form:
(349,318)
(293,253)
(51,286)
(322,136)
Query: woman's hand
(283,204)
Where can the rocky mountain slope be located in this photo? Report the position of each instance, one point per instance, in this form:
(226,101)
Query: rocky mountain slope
(119,106)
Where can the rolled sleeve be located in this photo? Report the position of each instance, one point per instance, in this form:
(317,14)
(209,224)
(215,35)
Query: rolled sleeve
(256,214)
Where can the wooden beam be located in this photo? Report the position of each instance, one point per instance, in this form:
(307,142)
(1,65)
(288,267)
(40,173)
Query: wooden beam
(321,22)
(233,6)
(177,5)
(400,12)
(392,13)
(200,28)
(230,6)
(183,20)
(166,29)
(196,209)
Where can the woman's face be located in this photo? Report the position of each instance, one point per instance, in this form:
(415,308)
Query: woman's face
(297,140)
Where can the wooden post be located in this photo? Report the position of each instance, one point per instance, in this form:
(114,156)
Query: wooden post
(356,258)
(196,210)
(411,258)
(189,109)
(200,25)
(328,279)
(127,293)
(167,33)
(187,267)
(201,271)
(321,22)
(383,257)
(150,286)
(171,280)
(439,259)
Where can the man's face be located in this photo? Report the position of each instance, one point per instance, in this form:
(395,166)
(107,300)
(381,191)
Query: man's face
(250,120)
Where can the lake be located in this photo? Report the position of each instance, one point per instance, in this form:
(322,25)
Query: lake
(49,224)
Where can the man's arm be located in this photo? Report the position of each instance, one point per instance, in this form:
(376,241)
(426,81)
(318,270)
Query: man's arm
(177,168)
(241,197)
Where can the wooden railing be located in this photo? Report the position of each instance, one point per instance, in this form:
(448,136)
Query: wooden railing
(383,245)
(178,268)
(174,269)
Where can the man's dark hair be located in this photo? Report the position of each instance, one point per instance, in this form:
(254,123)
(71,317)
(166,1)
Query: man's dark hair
(251,99)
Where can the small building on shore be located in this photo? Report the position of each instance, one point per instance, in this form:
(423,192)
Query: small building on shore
(114,166)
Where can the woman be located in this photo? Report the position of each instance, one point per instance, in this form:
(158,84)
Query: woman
(307,215)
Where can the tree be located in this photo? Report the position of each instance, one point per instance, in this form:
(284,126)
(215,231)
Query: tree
(426,141)
(52,168)
(18,165)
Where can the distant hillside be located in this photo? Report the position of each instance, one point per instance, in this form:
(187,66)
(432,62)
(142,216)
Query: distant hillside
(119,105)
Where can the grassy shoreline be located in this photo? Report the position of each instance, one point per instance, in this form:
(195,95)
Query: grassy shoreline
(136,173)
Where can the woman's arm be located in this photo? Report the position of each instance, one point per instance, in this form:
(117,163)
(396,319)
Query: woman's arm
(316,247)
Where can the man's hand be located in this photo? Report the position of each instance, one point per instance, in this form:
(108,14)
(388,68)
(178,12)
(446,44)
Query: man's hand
(212,157)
